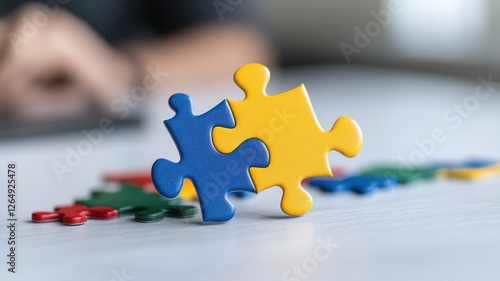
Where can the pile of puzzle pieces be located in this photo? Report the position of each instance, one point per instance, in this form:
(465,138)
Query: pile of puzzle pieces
(388,176)
(128,199)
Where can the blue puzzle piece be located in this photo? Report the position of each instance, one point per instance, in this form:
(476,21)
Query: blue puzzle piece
(214,174)
(242,194)
(470,163)
(357,184)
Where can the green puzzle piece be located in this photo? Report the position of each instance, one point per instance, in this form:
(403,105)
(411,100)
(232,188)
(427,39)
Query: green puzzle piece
(403,176)
(148,207)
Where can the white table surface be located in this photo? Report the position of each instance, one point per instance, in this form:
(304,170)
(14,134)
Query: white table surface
(437,230)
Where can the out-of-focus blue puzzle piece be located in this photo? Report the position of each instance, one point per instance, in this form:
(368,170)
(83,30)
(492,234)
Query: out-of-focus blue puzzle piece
(214,174)
(357,184)
(469,163)
(242,194)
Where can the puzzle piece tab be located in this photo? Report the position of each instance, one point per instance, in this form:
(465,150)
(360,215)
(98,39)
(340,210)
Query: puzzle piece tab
(74,214)
(286,123)
(213,174)
(357,184)
(147,207)
(403,176)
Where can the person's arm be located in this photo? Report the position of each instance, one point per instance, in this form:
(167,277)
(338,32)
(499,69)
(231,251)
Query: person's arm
(56,68)
(64,65)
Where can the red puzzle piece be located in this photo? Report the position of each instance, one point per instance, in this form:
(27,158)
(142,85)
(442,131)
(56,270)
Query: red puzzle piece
(75,214)
(139,178)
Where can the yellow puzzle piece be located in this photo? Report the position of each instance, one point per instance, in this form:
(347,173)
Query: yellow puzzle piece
(188,192)
(286,123)
(470,173)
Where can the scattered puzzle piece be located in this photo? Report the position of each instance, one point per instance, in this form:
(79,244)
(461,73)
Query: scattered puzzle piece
(470,163)
(213,174)
(336,172)
(136,178)
(286,123)
(402,175)
(74,214)
(470,173)
(147,207)
(144,180)
(133,177)
(357,184)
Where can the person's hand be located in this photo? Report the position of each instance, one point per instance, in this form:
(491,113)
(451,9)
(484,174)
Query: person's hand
(54,65)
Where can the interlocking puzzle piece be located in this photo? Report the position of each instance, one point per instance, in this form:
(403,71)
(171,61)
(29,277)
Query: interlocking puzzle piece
(286,123)
(188,192)
(357,184)
(74,214)
(470,173)
(403,176)
(147,207)
(470,163)
(214,174)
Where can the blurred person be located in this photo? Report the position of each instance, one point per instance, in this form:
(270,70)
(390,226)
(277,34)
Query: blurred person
(54,63)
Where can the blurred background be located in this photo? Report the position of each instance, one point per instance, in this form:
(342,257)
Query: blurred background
(459,37)
(64,62)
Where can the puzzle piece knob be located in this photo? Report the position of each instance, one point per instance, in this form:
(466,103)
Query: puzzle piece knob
(181,103)
(252,78)
(296,202)
(346,136)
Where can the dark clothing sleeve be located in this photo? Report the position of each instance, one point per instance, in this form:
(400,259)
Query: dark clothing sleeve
(118,20)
